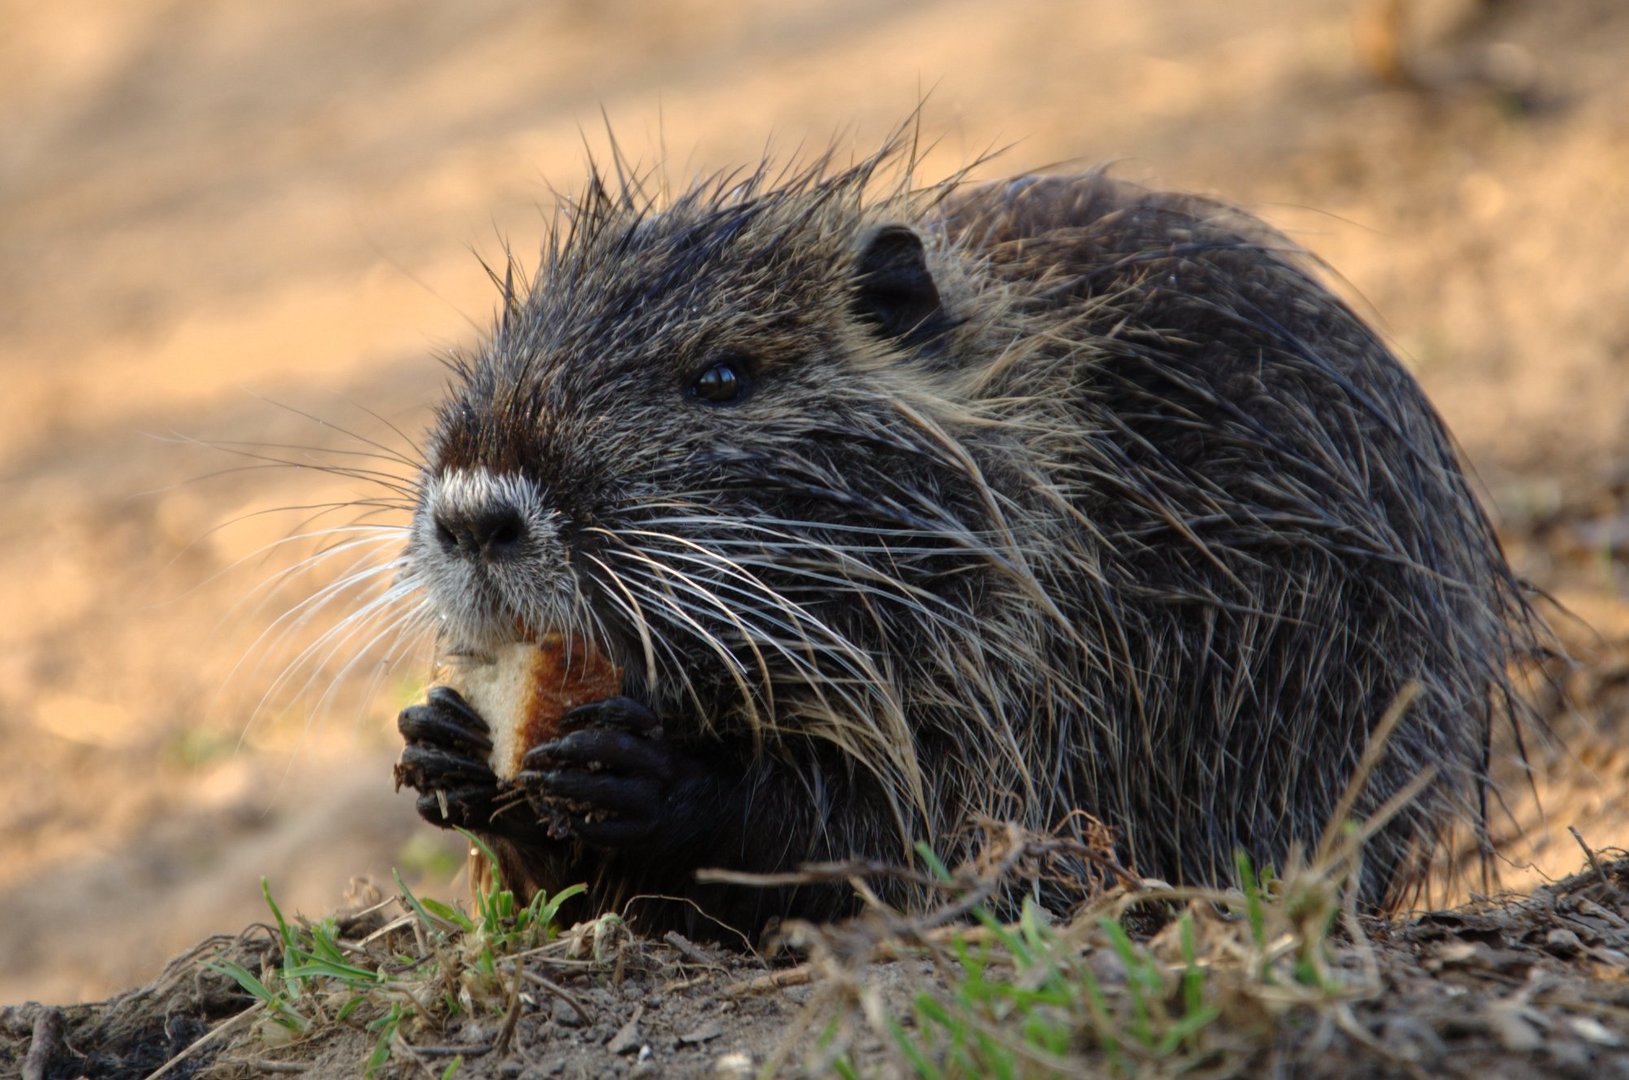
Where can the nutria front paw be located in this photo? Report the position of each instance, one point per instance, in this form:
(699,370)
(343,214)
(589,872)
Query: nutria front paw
(445,761)
(613,780)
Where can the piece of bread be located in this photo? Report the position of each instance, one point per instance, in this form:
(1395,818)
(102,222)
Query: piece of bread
(523,689)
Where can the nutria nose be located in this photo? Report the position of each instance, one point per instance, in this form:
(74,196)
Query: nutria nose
(490,535)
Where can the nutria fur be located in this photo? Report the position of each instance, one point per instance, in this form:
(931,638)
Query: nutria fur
(905,506)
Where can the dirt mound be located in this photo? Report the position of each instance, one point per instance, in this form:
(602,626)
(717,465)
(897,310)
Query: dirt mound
(1519,986)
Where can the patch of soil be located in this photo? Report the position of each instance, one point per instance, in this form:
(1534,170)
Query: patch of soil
(1534,986)
(136,1033)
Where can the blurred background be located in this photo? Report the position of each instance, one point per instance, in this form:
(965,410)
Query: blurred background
(236,239)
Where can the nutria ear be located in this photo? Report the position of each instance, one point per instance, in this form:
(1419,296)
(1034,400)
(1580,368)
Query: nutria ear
(894,290)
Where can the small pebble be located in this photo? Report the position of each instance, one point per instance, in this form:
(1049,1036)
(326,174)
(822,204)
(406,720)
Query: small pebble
(710,1030)
(1563,943)
(736,1065)
(627,1039)
(1513,1026)
(1593,1030)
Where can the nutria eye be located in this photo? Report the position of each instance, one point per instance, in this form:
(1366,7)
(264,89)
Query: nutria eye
(722,384)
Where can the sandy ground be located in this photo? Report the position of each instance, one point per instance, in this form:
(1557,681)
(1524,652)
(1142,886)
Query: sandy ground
(232,232)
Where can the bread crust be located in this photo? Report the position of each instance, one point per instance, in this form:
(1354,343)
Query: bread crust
(523,689)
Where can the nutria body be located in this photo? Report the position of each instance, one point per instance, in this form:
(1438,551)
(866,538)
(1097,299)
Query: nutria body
(905,508)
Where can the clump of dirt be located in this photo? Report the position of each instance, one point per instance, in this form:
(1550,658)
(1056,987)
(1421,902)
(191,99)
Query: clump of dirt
(139,1032)
(1518,985)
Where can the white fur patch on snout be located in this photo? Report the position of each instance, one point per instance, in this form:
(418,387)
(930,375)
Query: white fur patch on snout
(471,492)
(479,600)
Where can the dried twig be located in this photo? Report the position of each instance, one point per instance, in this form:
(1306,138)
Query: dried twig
(43,1044)
(1590,855)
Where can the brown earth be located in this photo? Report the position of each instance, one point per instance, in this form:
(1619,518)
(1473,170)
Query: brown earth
(234,232)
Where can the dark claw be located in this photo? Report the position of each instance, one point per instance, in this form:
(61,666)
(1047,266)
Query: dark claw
(609,777)
(466,808)
(445,761)
(424,767)
(452,709)
(579,791)
(618,712)
(595,824)
(448,698)
(445,719)
(602,748)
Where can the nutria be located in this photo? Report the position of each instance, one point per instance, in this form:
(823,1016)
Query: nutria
(904,507)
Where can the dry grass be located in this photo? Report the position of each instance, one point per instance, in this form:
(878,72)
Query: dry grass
(1281,976)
